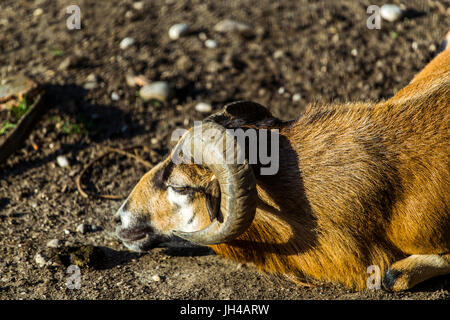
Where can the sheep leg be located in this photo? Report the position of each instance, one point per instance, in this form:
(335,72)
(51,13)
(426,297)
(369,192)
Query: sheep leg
(406,273)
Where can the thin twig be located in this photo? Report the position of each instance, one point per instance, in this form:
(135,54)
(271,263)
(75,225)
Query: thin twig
(109,150)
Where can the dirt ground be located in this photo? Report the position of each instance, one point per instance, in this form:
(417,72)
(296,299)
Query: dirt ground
(315,50)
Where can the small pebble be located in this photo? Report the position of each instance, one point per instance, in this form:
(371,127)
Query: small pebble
(210,43)
(203,107)
(415,45)
(38,12)
(66,231)
(156,278)
(129,14)
(62,161)
(281,90)
(229,25)
(129,78)
(278,54)
(115,96)
(65,64)
(391,12)
(90,85)
(126,42)
(91,78)
(178,30)
(83,228)
(141,80)
(54,243)
(40,260)
(138,5)
(158,90)
(354,52)
(296,97)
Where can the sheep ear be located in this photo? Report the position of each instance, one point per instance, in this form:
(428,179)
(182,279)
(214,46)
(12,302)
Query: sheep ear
(243,113)
(247,110)
(212,195)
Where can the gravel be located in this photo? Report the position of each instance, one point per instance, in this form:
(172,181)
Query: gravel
(83,228)
(211,44)
(40,260)
(126,42)
(54,243)
(391,12)
(203,107)
(159,90)
(178,30)
(229,26)
(62,161)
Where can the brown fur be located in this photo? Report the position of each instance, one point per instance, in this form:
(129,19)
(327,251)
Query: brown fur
(359,184)
(364,184)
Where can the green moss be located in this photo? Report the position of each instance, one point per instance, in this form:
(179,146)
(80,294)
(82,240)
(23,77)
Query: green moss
(56,52)
(6,126)
(20,109)
(16,112)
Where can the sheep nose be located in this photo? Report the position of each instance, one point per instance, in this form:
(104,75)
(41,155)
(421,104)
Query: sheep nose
(117,219)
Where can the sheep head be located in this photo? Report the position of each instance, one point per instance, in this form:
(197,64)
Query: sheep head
(196,193)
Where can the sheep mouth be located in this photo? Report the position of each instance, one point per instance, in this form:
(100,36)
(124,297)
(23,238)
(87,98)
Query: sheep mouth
(140,239)
(133,234)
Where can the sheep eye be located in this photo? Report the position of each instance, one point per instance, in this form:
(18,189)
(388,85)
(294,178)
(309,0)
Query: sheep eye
(182,190)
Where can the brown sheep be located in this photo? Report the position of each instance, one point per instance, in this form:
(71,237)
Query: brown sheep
(358,185)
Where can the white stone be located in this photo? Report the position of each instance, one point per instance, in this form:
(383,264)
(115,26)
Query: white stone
(210,43)
(158,90)
(126,42)
(391,12)
(130,79)
(296,97)
(91,78)
(90,85)
(203,107)
(83,228)
(156,278)
(62,161)
(229,25)
(40,260)
(115,96)
(278,54)
(38,12)
(54,243)
(178,30)
(138,5)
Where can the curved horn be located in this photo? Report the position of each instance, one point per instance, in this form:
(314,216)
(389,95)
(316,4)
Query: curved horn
(211,145)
